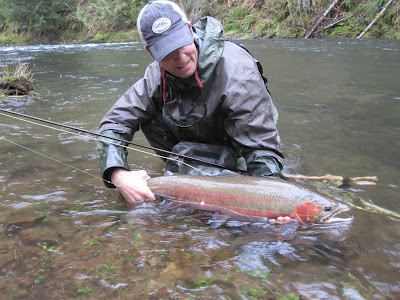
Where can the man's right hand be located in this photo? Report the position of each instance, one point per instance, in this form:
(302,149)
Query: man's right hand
(132,184)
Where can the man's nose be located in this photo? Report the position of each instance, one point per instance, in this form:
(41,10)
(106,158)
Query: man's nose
(179,54)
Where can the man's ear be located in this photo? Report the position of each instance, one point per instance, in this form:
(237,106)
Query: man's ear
(147,49)
(190,26)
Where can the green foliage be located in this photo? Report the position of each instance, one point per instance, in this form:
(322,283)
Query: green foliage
(233,22)
(17,82)
(288,297)
(94,241)
(201,283)
(107,272)
(248,23)
(195,9)
(39,16)
(42,21)
(259,29)
(106,15)
(238,13)
(280,16)
(350,4)
(47,17)
(364,12)
(99,37)
(254,293)
(83,288)
(342,29)
(132,11)
(21,71)
(260,273)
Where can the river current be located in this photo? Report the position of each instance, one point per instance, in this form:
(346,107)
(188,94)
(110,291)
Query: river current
(64,235)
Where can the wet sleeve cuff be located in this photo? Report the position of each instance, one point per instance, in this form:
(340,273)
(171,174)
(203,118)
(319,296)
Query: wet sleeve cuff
(113,154)
(260,164)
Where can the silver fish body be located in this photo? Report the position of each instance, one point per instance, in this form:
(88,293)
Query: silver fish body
(250,196)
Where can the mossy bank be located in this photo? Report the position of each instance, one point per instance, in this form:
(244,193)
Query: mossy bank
(25,22)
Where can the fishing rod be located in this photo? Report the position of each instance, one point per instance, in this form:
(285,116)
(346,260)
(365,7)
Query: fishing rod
(56,160)
(113,138)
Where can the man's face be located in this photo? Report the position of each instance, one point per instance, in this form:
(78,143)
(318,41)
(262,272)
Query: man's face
(182,62)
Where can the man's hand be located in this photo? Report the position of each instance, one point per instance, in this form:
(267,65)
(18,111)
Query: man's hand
(132,184)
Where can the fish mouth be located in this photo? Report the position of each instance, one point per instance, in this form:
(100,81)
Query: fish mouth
(331,218)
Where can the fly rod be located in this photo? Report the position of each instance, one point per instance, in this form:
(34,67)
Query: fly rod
(367,180)
(114,138)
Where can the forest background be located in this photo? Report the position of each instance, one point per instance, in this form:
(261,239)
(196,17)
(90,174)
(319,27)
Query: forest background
(25,22)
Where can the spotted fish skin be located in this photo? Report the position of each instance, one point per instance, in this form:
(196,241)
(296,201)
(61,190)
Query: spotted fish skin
(249,196)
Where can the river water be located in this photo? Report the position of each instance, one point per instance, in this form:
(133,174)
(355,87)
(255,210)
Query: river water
(64,235)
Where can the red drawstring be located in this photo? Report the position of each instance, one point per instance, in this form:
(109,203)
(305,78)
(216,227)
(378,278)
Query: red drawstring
(164,87)
(196,75)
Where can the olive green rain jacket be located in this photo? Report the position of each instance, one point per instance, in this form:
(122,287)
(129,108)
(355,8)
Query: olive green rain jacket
(234,108)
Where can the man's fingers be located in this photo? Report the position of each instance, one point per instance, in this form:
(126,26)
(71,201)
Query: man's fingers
(133,195)
(132,185)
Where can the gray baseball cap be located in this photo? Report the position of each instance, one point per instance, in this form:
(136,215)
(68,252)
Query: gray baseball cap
(163,28)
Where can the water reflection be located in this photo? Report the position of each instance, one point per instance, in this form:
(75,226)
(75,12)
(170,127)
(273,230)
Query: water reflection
(64,235)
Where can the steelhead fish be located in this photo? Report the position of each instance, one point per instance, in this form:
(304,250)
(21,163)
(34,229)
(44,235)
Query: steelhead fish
(250,196)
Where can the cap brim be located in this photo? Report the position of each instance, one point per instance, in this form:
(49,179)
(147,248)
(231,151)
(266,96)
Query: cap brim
(170,42)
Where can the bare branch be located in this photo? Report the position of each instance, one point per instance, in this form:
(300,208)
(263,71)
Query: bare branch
(322,17)
(376,19)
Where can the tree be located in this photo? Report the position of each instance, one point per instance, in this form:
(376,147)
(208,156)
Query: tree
(40,16)
(106,15)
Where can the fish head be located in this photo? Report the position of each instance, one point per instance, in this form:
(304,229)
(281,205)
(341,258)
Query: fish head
(309,212)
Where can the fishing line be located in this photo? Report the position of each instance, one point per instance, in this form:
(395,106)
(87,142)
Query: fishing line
(112,138)
(107,137)
(58,161)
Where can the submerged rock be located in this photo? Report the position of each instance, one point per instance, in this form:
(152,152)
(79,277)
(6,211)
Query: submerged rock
(22,219)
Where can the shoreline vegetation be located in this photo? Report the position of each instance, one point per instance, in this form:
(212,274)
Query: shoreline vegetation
(16,83)
(30,22)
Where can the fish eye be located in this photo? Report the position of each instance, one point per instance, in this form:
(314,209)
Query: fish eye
(327,208)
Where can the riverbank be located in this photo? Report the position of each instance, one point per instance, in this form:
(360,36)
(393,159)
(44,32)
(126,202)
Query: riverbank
(68,37)
(243,19)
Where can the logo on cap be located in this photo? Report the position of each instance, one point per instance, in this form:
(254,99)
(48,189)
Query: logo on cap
(161,25)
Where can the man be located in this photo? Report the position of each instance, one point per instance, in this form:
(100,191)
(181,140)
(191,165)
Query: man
(199,89)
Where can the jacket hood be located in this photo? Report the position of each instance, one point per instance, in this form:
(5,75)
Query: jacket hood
(210,30)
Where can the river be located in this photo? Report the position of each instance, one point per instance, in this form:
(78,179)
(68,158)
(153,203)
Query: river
(64,235)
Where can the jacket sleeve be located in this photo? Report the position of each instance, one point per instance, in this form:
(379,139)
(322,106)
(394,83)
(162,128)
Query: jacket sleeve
(113,154)
(260,163)
(133,109)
